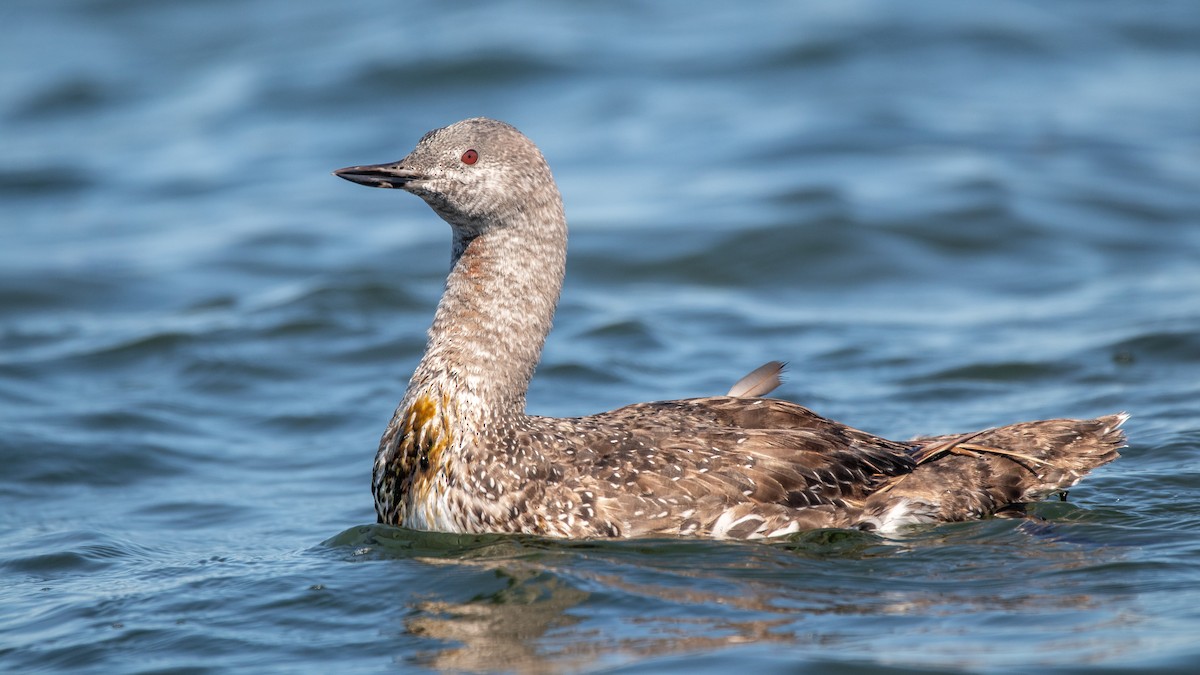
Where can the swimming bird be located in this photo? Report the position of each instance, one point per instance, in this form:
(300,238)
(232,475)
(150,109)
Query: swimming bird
(462,455)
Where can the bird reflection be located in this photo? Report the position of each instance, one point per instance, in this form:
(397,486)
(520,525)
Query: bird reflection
(565,607)
(530,628)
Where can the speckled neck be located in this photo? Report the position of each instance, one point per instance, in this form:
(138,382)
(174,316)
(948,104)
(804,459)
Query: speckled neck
(498,307)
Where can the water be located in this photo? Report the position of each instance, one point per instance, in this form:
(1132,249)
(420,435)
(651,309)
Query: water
(945,216)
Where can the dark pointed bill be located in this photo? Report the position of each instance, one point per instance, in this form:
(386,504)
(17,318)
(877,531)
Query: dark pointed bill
(390,175)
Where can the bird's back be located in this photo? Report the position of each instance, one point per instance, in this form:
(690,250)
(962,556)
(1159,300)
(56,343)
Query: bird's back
(746,468)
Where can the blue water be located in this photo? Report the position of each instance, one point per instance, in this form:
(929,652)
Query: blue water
(944,215)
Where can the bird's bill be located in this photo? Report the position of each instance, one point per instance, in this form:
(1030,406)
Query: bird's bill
(391,175)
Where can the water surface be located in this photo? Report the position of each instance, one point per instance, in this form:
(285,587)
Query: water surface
(944,216)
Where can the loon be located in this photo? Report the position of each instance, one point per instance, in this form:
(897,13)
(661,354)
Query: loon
(462,455)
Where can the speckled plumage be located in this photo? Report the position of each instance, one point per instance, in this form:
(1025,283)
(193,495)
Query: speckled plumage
(461,455)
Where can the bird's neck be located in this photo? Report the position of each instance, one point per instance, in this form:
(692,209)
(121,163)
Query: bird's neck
(497,309)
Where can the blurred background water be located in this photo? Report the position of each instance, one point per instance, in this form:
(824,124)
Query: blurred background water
(945,216)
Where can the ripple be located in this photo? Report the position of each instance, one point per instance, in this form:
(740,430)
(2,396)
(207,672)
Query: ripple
(456,72)
(1015,371)
(74,552)
(1168,347)
(111,463)
(43,181)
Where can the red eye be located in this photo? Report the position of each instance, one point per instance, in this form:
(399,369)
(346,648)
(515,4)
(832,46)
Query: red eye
(470,157)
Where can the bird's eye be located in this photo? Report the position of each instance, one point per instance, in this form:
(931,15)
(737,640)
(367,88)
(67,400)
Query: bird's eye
(470,157)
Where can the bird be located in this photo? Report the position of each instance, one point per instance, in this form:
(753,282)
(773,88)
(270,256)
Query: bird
(462,455)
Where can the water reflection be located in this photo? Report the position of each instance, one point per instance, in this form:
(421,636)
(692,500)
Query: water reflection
(498,632)
(564,605)
(530,628)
